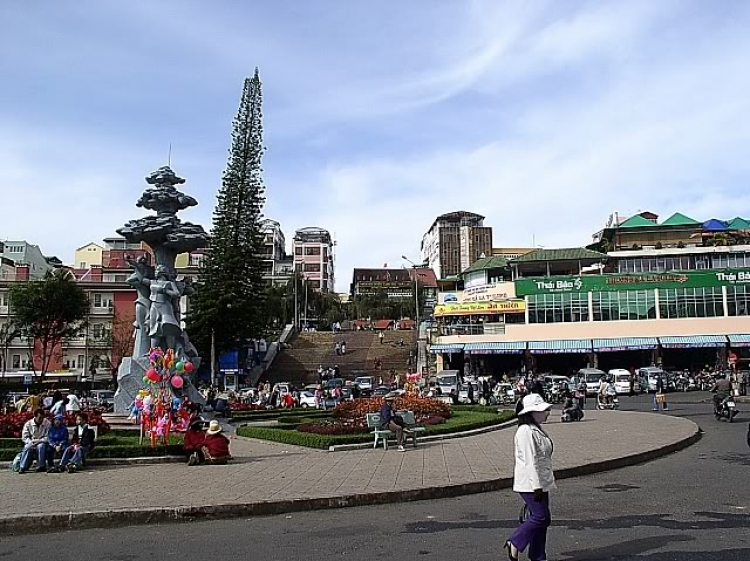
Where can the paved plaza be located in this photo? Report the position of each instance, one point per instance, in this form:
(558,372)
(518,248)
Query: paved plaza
(268,478)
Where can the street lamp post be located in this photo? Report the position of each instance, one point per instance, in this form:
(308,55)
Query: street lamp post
(416,293)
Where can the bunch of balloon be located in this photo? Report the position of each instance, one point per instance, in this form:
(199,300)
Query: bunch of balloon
(165,374)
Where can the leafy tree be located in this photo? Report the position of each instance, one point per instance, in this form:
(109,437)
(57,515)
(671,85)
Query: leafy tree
(48,312)
(229,299)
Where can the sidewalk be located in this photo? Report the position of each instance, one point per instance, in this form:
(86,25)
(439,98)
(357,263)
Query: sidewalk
(268,478)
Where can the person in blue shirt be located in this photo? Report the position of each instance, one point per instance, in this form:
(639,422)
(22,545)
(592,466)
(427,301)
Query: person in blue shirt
(389,420)
(58,442)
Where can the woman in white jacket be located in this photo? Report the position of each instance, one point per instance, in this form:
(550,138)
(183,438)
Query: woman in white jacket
(533,478)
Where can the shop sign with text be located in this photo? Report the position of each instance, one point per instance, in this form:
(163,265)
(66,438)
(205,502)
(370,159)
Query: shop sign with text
(480,308)
(643,281)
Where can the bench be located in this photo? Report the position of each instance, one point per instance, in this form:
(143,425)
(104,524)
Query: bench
(373,422)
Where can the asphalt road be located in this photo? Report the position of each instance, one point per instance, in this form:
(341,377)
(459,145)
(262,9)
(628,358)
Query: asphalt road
(691,506)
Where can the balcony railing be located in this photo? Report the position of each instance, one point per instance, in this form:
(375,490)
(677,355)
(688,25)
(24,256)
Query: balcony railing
(472,329)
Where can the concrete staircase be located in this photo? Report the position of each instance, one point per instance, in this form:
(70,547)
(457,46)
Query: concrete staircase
(299,364)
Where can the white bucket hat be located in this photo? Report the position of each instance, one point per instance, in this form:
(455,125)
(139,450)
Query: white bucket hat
(534,402)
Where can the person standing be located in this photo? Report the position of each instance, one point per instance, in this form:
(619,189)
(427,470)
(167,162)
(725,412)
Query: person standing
(743,382)
(381,336)
(533,478)
(660,397)
(73,405)
(581,394)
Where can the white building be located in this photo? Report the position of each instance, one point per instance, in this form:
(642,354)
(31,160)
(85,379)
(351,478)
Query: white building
(314,257)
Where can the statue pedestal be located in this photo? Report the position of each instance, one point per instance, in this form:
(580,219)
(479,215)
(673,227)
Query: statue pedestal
(130,380)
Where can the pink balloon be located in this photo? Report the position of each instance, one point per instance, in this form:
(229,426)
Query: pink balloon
(177,382)
(189,367)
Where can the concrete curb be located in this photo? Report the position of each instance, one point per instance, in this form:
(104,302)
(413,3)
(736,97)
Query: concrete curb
(433,438)
(36,523)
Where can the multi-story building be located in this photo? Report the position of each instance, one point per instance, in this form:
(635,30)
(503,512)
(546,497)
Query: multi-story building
(396,283)
(278,267)
(679,300)
(314,257)
(23,253)
(454,242)
(93,354)
(88,255)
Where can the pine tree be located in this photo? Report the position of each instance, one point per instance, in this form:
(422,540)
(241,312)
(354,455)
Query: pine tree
(230,291)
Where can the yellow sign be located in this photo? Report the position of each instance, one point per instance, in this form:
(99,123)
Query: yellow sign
(481,308)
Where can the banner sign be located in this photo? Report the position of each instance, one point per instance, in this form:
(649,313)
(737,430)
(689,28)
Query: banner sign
(492,292)
(637,281)
(480,308)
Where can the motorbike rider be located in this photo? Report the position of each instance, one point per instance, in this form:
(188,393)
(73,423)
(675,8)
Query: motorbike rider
(723,388)
(605,394)
(571,410)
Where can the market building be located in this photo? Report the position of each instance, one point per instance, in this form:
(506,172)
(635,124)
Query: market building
(562,311)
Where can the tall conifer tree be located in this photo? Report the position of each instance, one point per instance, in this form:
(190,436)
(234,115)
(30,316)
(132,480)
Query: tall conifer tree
(230,291)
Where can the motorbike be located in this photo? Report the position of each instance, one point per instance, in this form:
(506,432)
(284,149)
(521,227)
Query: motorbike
(554,395)
(726,409)
(612,403)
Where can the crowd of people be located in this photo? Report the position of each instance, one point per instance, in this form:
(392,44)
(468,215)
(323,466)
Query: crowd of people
(43,441)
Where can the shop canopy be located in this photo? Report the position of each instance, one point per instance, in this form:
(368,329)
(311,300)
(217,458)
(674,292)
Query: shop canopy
(561,346)
(693,341)
(739,340)
(455,348)
(505,347)
(625,344)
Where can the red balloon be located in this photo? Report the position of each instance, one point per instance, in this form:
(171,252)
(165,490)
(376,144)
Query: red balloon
(189,367)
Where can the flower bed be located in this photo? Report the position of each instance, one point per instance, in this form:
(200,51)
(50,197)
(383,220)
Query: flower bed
(460,421)
(423,407)
(11,425)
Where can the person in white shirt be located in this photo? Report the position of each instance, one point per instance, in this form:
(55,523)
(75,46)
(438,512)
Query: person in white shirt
(533,478)
(74,404)
(59,407)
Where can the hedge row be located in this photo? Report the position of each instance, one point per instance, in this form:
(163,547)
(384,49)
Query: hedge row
(273,414)
(108,446)
(459,422)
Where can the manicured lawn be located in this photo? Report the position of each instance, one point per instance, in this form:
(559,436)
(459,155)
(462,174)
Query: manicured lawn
(461,420)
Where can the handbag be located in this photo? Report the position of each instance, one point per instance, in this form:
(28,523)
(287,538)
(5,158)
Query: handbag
(661,398)
(524,514)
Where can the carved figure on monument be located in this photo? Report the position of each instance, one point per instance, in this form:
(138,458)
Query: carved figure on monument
(158,320)
(141,271)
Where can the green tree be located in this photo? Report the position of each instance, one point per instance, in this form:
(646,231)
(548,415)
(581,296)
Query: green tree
(48,312)
(229,299)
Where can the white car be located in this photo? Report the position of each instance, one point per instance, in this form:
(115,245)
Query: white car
(621,379)
(365,383)
(648,376)
(307,400)
(592,377)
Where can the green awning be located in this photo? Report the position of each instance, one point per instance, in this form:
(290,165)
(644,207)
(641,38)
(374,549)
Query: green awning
(625,344)
(693,341)
(560,346)
(505,347)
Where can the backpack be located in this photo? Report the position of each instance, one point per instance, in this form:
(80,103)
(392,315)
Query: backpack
(16,463)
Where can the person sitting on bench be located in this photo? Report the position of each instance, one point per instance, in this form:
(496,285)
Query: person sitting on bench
(392,422)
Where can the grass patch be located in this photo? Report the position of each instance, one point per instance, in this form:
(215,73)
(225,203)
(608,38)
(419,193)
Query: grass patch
(460,421)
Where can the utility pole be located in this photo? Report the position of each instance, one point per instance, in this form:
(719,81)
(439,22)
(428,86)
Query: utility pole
(213,357)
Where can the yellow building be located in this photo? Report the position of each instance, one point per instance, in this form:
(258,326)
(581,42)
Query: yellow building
(87,256)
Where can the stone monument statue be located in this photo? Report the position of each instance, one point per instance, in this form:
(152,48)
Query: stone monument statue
(158,316)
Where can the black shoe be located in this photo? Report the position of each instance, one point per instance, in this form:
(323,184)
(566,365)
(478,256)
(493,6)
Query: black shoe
(41,469)
(53,469)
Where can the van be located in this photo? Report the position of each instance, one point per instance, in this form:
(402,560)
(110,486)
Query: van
(621,379)
(447,381)
(647,377)
(592,377)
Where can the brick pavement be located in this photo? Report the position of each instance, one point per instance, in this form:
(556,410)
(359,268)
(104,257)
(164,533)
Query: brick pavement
(264,472)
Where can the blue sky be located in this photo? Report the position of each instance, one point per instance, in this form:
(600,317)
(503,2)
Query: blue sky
(544,116)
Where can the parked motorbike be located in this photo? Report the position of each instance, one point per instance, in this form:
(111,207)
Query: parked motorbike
(726,409)
(611,403)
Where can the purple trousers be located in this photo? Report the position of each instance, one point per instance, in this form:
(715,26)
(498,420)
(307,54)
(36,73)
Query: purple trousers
(533,532)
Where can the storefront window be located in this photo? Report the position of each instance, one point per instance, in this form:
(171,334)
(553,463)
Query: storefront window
(690,303)
(558,308)
(738,300)
(626,305)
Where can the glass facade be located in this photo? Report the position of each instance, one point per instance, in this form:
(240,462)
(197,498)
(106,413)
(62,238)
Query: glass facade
(737,260)
(624,305)
(738,300)
(558,308)
(690,303)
